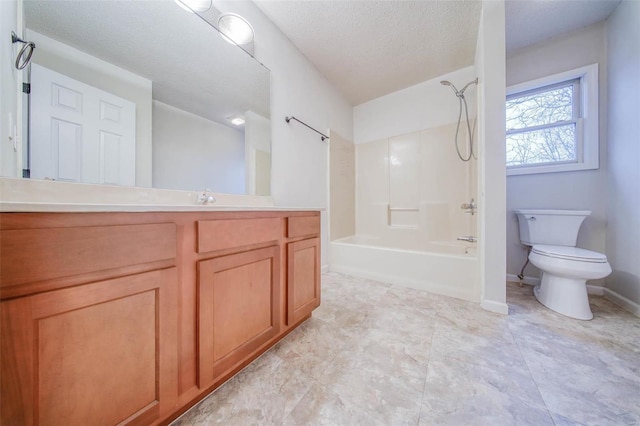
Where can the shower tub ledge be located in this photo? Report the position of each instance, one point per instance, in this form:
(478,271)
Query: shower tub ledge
(446,268)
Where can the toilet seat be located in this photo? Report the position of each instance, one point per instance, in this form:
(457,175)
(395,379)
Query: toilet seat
(569,253)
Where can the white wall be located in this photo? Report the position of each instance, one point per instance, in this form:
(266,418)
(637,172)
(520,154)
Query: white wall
(178,135)
(623,214)
(422,106)
(9,76)
(490,67)
(299,157)
(95,72)
(257,146)
(580,190)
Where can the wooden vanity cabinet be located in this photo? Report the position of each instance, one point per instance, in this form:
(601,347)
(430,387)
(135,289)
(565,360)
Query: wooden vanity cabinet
(132,318)
(93,340)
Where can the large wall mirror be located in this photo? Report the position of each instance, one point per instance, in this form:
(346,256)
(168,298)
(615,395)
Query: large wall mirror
(143,93)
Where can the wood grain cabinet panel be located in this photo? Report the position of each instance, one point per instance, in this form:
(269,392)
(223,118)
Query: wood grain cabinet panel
(231,233)
(238,309)
(303,278)
(47,254)
(302,226)
(100,353)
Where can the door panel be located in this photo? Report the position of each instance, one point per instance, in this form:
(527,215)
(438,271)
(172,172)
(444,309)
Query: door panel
(79,133)
(238,309)
(303,279)
(66,146)
(100,353)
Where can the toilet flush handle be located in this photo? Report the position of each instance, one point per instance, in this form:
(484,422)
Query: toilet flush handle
(531,218)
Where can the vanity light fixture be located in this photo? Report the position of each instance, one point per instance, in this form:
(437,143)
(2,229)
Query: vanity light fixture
(237,121)
(195,5)
(235,29)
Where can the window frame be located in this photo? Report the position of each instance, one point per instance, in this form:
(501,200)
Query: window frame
(587,126)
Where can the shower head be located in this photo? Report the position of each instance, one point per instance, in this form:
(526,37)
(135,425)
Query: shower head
(459,93)
(448,83)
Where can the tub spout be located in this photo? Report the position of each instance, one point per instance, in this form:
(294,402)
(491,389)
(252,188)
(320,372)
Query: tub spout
(468,238)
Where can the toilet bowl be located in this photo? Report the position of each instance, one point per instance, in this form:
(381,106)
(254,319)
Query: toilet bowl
(565,271)
(552,237)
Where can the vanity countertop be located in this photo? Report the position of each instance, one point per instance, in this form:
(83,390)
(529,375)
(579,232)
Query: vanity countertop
(24,207)
(31,195)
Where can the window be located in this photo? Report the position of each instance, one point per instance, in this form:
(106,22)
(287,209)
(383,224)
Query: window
(552,123)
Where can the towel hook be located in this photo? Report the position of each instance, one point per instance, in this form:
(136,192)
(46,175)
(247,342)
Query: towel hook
(24,57)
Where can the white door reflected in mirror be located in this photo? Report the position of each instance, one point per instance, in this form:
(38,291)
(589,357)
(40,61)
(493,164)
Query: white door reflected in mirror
(80,133)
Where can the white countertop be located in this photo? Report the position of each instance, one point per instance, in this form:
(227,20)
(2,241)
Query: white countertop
(32,195)
(20,207)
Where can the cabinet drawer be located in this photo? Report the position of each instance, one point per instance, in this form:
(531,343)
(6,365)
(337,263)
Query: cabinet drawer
(230,233)
(300,226)
(34,255)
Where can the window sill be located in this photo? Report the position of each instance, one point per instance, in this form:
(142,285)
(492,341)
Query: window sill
(550,168)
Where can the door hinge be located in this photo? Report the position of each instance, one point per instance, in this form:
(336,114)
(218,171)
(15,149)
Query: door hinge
(26,88)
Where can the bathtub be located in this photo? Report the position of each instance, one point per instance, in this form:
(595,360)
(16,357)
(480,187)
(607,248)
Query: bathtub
(449,268)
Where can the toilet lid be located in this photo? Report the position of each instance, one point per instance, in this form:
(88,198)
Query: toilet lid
(570,253)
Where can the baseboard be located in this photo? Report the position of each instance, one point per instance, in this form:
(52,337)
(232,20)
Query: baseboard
(591,289)
(596,290)
(525,280)
(626,304)
(493,306)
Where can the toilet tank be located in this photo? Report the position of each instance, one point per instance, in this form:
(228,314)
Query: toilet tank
(552,227)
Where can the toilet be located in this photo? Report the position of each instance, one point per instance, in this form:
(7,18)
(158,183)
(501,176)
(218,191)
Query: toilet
(552,236)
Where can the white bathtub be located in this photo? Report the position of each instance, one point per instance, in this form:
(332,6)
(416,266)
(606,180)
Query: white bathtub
(450,268)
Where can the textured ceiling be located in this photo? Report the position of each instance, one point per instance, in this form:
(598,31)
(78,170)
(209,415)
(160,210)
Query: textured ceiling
(190,65)
(533,21)
(370,48)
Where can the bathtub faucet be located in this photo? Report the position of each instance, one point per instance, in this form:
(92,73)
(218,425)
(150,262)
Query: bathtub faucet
(468,238)
(470,208)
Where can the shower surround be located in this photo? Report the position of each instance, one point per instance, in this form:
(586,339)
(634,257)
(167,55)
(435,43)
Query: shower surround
(409,191)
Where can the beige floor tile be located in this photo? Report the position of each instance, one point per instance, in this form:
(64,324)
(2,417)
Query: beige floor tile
(380,354)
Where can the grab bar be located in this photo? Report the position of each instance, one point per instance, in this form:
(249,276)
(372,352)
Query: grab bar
(398,209)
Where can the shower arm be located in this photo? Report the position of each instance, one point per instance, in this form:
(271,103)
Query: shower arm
(467,85)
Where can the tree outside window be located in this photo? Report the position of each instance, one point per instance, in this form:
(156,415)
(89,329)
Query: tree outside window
(541,125)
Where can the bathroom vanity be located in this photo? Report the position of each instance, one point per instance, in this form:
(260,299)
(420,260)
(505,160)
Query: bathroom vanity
(132,317)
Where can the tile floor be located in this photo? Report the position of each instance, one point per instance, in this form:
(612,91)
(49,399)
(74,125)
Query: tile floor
(380,354)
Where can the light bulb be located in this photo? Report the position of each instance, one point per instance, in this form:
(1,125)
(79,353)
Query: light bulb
(195,5)
(235,29)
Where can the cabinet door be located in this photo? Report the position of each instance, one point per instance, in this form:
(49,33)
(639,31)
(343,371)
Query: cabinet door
(97,354)
(303,283)
(238,309)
